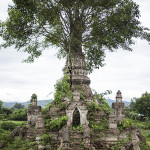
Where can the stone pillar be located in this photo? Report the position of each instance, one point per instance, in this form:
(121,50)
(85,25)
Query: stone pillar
(65,135)
(80,81)
(83,116)
(78,72)
(34,114)
(119,97)
(69,114)
(40,123)
(119,107)
(112,121)
(86,137)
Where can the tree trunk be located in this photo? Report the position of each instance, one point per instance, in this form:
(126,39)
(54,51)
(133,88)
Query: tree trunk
(76,64)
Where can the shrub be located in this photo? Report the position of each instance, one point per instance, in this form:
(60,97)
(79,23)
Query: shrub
(99,126)
(57,124)
(93,107)
(7,111)
(80,128)
(119,144)
(144,146)
(102,101)
(62,89)
(8,125)
(147,125)
(4,136)
(142,125)
(19,115)
(45,138)
(131,114)
(19,144)
(2,116)
(124,124)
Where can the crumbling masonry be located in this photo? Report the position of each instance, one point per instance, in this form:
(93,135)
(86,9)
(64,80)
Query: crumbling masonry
(77,113)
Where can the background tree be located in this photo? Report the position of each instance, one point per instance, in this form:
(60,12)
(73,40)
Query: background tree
(141,105)
(18,106)
(7,111)
(1,106)
(19,115)
(77,27)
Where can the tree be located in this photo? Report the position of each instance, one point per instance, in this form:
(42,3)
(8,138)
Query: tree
(19,114)
(7,111)
(77,27)
(18,106)
(1,106)
(81,29)
(142,105)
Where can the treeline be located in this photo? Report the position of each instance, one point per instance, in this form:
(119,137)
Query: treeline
(17,112)
(139,108)
(139,112)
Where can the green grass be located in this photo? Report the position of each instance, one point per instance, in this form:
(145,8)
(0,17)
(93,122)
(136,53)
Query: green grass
(4,134)
(144,127)
(146,134)
(16,122)
(141,124)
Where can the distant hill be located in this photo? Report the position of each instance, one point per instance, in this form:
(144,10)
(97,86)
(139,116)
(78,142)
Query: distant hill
(40,103)
(110,101)
(45,102)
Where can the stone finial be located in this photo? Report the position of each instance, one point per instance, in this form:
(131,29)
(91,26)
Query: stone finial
(118,97)
(34,100)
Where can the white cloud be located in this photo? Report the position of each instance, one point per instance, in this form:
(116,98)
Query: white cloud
(127,71)
(3,9)
(21,80)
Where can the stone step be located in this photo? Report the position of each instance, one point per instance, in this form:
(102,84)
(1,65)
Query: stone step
(76,137)
(75,130)
(74,148)
(76,141)
(75,133)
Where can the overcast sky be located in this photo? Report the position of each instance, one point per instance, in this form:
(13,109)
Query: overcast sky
(125,71)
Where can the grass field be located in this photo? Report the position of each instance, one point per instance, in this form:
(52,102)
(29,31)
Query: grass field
(6,127)
(17,122)
(146,134)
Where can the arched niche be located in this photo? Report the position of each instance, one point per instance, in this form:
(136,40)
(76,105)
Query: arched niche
(76,118)
(81,110)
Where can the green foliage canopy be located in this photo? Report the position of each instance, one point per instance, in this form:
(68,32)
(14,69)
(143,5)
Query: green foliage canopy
(75,26)
(7,111)
(142,105)
(62,89)
(18,106)
(1,106)
(8,125)
(56,124)
(19,115)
